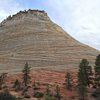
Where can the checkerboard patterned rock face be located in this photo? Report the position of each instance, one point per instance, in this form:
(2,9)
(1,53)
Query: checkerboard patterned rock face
(30,36)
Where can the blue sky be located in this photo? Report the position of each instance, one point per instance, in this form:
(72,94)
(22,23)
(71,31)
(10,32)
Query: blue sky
(80,18)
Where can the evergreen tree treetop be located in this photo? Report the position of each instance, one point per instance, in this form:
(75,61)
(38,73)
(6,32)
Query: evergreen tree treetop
(97,71)
(26,76)
(97,62)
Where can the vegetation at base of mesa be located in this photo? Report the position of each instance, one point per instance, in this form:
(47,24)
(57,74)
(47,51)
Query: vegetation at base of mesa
(2,79)
(68,81)
(26,77)
(48,91)
(58,95)
(48,94)
(82,81)
(48,97)
(89,76)
(7,96)
(82,90)
(96,94)
(17,85)
(38,94)
(85,74)
(85,78)
(97,71)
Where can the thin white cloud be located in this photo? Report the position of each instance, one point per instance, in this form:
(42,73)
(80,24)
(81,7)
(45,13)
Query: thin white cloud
(81,18)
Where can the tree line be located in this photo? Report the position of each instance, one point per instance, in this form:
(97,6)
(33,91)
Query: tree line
(88,77)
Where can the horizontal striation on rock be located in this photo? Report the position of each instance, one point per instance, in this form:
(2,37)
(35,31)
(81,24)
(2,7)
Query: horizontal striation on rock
(30,36)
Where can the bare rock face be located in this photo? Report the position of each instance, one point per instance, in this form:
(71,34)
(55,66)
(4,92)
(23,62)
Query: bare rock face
(30,36)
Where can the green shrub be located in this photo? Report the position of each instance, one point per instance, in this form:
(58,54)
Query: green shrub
(49,97)
(38,95)
(17,85)
(7,96)
(96,93)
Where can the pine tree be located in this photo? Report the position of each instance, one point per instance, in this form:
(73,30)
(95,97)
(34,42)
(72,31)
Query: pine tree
(48,92)
(97,71)
(86,71)
(2,79)
(26,77)
(68,81)
(82,90)
(17,85)
(89,76)
(58,95)
(82,83)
